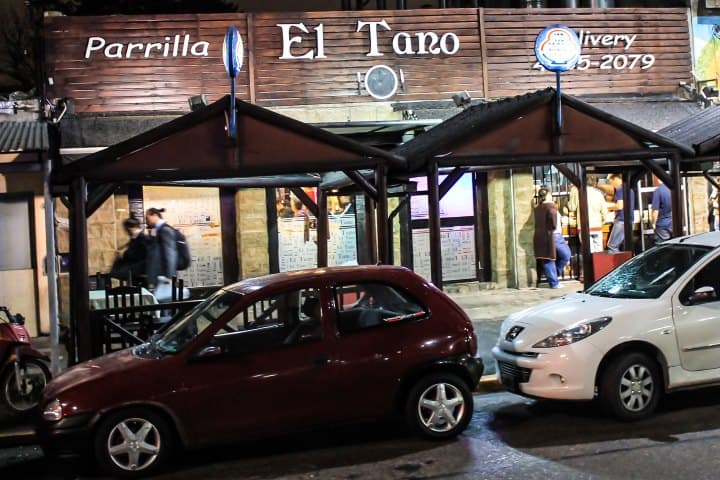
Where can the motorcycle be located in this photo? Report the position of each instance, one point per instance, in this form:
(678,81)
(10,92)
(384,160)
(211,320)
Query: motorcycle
(24,370)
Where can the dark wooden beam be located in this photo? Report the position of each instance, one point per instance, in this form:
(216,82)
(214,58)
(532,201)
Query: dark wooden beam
(451,180)
(565,169)
(658,171)
(228,234)
(628,212)
(272,222)
(381,212)
(587,264)
(363,183)
(514,161)
(323,228)
(677,196)
(98,196)
(307,201)
(434,225)
(81,328)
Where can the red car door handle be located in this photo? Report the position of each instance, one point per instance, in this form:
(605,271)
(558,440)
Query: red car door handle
(320,361)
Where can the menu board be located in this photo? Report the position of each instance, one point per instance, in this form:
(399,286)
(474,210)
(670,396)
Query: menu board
(297,242)
(196,213)
(458,252)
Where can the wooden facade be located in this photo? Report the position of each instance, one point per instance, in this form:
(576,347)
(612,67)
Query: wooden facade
(488,52)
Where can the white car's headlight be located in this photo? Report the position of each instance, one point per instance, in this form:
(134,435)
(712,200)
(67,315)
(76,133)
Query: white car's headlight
(53,411)
(574,333)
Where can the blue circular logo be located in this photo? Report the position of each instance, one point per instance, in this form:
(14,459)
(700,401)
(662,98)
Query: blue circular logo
(557,48)
(232,52)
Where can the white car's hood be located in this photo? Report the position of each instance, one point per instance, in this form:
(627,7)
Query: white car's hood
(549,318)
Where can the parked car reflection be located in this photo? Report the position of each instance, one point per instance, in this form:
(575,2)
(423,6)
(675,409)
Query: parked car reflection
(269,355)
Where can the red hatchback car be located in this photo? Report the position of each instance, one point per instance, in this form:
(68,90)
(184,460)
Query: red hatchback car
(269,355)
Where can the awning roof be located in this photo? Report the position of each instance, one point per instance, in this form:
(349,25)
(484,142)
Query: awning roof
(16,137)
(522,126)
(701,131)
(196,146)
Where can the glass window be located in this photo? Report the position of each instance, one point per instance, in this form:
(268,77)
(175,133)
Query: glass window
(367,305)
(187,328)
(287,318)
(649,274)
(708,276)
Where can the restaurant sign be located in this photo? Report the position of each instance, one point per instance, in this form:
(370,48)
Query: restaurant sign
(182,45)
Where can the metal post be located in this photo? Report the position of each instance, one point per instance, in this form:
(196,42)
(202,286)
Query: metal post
(50,270)
(434,225)
(513,231)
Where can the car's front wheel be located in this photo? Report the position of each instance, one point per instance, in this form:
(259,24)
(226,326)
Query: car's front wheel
(630,387)
(133,442)
(439,406)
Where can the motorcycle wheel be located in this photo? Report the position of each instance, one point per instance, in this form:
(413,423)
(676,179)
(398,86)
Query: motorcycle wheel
(23,397)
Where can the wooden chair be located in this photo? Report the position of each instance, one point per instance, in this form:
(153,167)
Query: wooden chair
(123,297)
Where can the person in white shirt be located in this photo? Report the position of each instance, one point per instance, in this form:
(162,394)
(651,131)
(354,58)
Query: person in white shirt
(597,212)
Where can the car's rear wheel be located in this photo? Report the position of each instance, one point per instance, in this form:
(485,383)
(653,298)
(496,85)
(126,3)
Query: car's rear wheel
(133,442)
(630,387)
(439,406)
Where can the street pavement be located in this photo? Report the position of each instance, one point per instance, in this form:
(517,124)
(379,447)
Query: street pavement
(509,438)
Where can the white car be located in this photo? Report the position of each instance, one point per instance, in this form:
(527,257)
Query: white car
(650,326)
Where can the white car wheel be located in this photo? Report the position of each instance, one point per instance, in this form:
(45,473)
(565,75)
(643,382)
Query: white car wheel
(630,386)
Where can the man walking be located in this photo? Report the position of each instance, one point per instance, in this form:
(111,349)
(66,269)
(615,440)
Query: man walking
(662,213)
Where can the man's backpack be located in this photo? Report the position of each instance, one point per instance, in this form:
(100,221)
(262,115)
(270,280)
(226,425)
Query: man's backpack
(182,248)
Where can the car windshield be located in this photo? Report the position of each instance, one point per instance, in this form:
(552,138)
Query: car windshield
(649,274)
(186,329)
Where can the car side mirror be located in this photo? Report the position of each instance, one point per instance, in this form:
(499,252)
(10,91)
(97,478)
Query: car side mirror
(209,351)
(702,295)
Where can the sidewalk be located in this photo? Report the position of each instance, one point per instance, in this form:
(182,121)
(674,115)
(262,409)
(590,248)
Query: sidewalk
(487,308)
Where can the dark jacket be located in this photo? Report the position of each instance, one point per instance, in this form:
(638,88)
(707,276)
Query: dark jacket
(545,225)
(162,255)
(132,263)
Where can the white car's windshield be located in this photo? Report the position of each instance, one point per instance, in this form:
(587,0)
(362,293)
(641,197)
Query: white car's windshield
(186,329)
(649,274)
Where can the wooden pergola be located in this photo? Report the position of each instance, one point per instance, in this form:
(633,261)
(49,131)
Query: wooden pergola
(269,150)
(523,131)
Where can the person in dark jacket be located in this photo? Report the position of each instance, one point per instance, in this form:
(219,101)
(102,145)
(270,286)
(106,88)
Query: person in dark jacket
(131,263)
(550,245)
(162,254)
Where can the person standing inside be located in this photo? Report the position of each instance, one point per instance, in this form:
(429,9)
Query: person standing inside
(162,255)
(662,213)
(617,234)
(550,245)
(597,212)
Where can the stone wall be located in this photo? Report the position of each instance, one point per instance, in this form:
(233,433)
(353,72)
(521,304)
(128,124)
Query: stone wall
(698,211)
(252,232)
(511,248)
